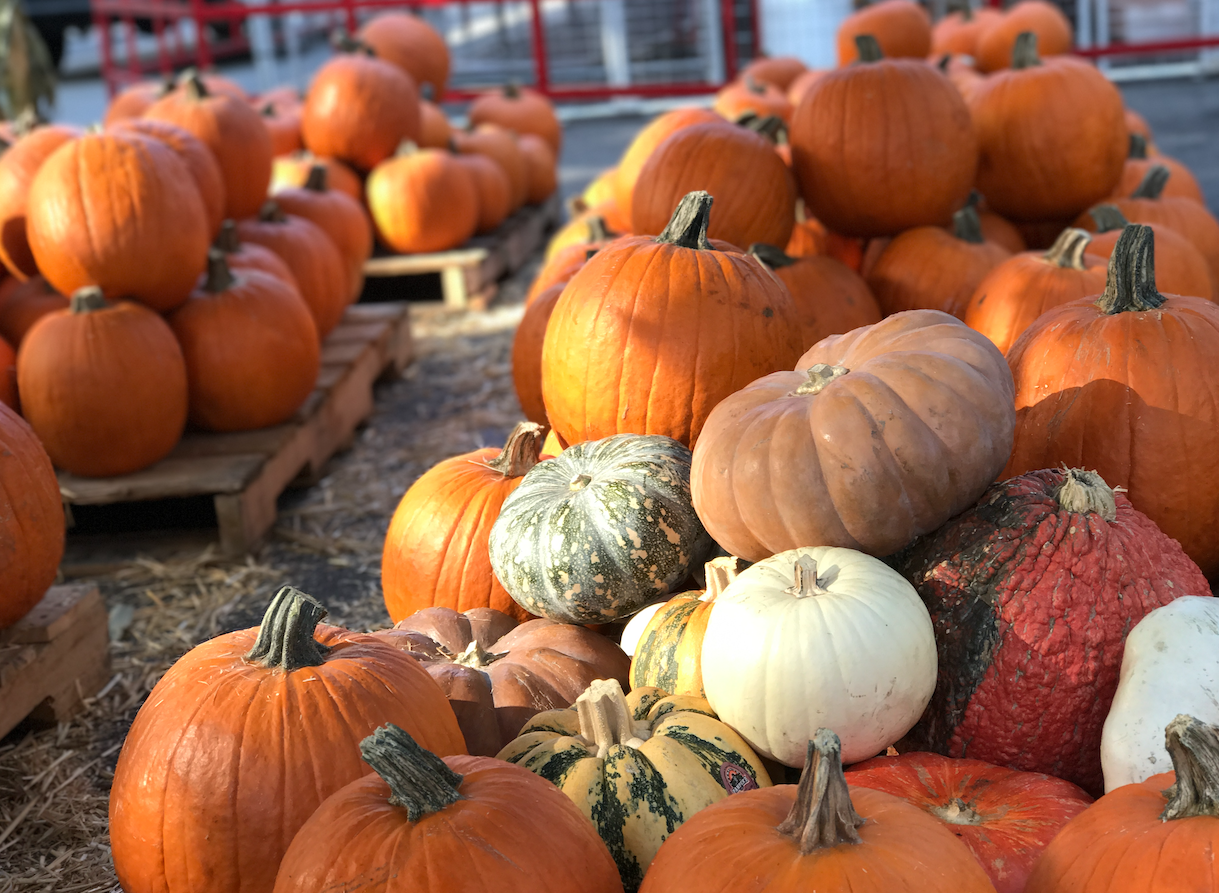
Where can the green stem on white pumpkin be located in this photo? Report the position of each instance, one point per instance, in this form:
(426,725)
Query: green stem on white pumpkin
(271,212)
(227,239)
(219,277)
(1153,182)
(1083,492)
(868,48)
(1138,147)
(718,573)
(521,451)
(1194,748)
(823,815)
(967,225)
(317,179)
(87,300)
(774,257)
(285,638)
(819,376)
(605,718)
(1131,283)
(1024,52)
(688,226)
(419,781)
(1068,249)
(1108,218)
(807,582)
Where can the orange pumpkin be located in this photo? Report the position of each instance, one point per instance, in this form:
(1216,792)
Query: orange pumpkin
(527,352)
(1181,182)
(808,235)
(410,43)
(492,189)
(133,101)
(1025,286)
(1181,268)
(251,349)
(501,147)
(1137,124)
(1040,17)
(749,95)
(912,170)
(435,131)
(284,127)
(436,549)
(24,305)
(801,85)
(1001,231)
(522,111)
(781,71)
(561,266)
(645,143)
(291,171)
(902,28)
(241,255)
(18,166)
(585,230)
(541,174)
(959,31)
(8,375)
(233,131)
(103,386)
(422,200)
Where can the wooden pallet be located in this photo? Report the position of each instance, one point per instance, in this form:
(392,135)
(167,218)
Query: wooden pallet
(469,276)
(54,657)
(246,472)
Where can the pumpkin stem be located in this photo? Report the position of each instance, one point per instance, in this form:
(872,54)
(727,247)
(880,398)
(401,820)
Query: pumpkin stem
(195,88)
(688,226)
(419,781)
(774,257)
(405,148)
(579,482)
(285,639)
(772,127)
(271,212)
(1068,249)
(87,300)
(1108,218)
(1082,492)
(521,452)
(597,231)
(1194,748)
(227,239)
(427,92)
(512,90)
(958,812)
(818,377)
(967,225)
(1153,182)
(1131,283)
(868,48)
(219,276)
(1138,147)
(718,573)
(801,211)
(605,717)
(823,815)
(317,179)
(477,657)
(1024,53)
(343,42)
(807,582)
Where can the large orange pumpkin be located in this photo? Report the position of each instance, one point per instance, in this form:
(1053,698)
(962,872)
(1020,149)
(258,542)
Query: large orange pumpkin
(527,352)
(245,736)
(755,198)
(522,111)
(644,144)
(147,241)
(24,305)
(410,43)
(1023,287)
(1120,385)
(1040,157)
(103,386)
(557,269)
(675,324)
(1044,19)
(31,519)
(18,165)
(1180,269)
(864,171)
(423,200)
(436,548)
(902,28)
(233,131)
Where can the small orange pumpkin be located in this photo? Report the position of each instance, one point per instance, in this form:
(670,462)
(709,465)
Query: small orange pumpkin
(1044,19)
(18,166)
(251,256)
(1180,270)
(435,132)
(291,171)
(749,95)
(959,31)
(521,110)
(413,45)
(24,305)
(902,28)
(541,175)
(284,127)
(781,71)
(492,188)
(501,147)
(133,101)
(422,200)
(1181,182)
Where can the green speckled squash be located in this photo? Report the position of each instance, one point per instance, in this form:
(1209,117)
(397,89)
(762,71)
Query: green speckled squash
(637,765)
(595,533)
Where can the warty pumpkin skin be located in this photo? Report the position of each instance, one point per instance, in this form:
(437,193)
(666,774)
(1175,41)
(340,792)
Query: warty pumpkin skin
(1032,592)
(422,200)
(146,241)
(867,168)
(1181,268)
(1051,136)
(18,166)
(637,766)
(251,349)
(27,303)
(103,386)
(410,43)
(1119,385)
(755,197)
(593,534)
(677,325)
(1005,817)
(436,549)
(498,675)
(522,111)
(810,457)
(527,352)
(1045,19)
(426,825)
(902,28)
(1158,836)
(1025,286)
(645,143)
(31,519)
(214,753)
(233,131)
(818,835)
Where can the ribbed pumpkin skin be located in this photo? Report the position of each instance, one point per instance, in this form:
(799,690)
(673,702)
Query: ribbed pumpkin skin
(636,797)
(423,202)
(522,111)
(234,132)
(1031,604)
(527,353)
(340,217)
(492,188)
(830,297)
(106,390)
(1121,394)
(1192,220)
(867,168)
(212,754)
(146,241)
(755,197)
(252,352)
(944,396)
(1041,158)
(929,268)
(1006,818)
(411,44)
(290,171)
(593,534)
(488,840)
(501,147)
(27,303)
(1181,268)
(31,519)
(677,329)
(359,110)
(194,154)
(18,166)
(902,28)
(644,144)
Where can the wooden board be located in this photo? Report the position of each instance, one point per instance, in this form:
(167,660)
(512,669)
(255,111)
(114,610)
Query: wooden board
(469,275)
(54,657)
(246,472)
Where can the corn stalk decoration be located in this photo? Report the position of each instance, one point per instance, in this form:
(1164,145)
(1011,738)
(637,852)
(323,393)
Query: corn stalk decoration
(27,74)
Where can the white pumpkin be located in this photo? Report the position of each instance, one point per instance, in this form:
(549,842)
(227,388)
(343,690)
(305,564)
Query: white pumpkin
(819,638)
(634,628)
(1170,666)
